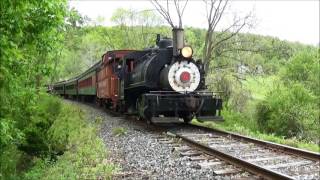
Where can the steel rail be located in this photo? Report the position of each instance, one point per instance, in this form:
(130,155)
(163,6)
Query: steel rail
(250,167)
(287,149)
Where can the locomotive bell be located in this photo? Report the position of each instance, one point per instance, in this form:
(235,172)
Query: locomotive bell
(178,40)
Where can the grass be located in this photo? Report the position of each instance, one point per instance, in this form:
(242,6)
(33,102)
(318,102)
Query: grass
(245,123)
(84,153)
(259,86)
(293,142)
(119,131)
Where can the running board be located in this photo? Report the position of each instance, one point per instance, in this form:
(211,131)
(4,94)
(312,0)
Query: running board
(210,118)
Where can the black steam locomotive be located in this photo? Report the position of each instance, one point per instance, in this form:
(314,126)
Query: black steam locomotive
(166,84)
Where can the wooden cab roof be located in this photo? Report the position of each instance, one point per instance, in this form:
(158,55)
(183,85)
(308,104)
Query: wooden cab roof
(109,56)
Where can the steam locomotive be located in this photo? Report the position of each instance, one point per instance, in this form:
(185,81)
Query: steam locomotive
(163,84)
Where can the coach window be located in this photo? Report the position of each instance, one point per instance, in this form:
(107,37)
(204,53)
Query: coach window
(116,66)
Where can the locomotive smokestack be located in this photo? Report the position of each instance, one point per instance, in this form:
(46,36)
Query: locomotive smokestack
(178,40)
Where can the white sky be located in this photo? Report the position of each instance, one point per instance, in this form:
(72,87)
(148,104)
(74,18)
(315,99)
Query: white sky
(290,20)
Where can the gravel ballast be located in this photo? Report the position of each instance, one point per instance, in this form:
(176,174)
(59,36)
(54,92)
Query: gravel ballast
(138,153)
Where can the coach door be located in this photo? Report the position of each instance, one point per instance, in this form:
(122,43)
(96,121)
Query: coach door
(116,78)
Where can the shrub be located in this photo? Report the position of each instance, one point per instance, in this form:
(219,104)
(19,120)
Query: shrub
(46,111)
(289,111)
(82,154)
(234,95)
(222,82)
(27,136)
(239,99)
(304,68)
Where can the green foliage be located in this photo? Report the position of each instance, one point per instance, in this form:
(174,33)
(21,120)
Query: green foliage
(244,130)
(282,108)
(119,131)
(238,120)
(98,120)
(82,153)
(259,86)
(292,108)
(289,111)
(233,93)
(45,113)
(33,128)
(221,81)
(194,37)
(304,68)
(10,160)
(58,144)
(29,40)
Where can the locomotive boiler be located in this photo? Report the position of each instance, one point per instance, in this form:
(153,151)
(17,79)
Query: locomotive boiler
(165,84)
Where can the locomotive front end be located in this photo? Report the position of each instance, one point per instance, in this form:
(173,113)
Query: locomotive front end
(181,76)
(182,92)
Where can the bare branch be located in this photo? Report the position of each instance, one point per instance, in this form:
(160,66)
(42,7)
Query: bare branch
(165,12)
(176,4)
(184,7)
(215,11)
(219,14)
(230,36)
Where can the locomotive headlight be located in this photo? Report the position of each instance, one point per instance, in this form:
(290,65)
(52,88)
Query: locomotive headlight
(187,52)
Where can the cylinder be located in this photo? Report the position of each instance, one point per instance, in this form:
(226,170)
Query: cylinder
(178,40)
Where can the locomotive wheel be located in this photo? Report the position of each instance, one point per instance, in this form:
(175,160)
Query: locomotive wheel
(138,108)
(141,114)
(148,120)
(187,119)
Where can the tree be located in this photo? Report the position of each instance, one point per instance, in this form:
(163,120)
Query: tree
(30,37)
(165,11)
(304,68)
(132,24)
(215,10)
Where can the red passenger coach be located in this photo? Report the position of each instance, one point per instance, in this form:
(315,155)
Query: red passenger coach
(109,78)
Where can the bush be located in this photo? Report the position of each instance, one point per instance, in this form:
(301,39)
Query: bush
(24,133)
(58,143)
(82,154)
(289,111)
(46,111)
(304,68)
(239,100)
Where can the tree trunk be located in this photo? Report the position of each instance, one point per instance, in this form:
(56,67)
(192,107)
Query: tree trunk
(207,50)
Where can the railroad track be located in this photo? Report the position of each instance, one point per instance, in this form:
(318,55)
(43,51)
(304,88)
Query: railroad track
(235,156)
(240,154)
